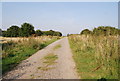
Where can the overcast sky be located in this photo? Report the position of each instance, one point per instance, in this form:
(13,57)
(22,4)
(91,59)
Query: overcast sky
(66,17)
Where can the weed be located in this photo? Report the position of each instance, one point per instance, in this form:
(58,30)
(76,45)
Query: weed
(95,56)
(32,76)
(39,67)
(46,68)
(57,46)
(50,59)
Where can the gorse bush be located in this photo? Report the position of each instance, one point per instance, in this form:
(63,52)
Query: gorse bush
(95,56)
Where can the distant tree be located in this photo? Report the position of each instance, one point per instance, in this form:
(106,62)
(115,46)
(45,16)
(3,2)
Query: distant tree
(44,32)
(27,30)
(13,31)
(57,34)
(68,34)
(86,32)
(52,33)
(105,30)
(60,34)
(38,32)
(0,32)
(4,33)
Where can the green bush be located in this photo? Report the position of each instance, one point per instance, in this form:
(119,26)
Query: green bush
(86,32)
(102,30)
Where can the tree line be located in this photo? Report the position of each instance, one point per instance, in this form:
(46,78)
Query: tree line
(27,30)
(101,30)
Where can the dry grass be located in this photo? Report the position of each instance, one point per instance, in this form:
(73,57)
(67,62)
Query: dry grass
(17,49)
(22,39)
(95,56)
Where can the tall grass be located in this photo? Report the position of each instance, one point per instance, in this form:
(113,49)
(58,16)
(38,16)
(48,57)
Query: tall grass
(14,50)
(95,56)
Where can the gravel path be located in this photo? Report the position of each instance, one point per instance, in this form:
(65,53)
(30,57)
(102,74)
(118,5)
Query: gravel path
(35,68)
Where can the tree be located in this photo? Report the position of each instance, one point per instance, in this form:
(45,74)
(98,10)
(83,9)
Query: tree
(52,33)
(0,32)
(4,33)
(38,32)
(105,30)
(68,34)
(26,30)
(86,32)
(13,31)
(57,34)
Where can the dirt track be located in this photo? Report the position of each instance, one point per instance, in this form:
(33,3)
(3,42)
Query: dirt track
(63,68)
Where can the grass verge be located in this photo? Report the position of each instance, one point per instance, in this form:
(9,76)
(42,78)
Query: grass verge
(14,52)
(95,56)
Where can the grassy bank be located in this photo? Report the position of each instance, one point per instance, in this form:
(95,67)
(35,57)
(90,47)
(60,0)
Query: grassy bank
(95,56)
(17,49)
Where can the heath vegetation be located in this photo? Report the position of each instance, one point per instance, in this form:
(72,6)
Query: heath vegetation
(14,50)
(96,53)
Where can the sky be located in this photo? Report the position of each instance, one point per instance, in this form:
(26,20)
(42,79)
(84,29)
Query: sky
(66,17)
(60,0)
